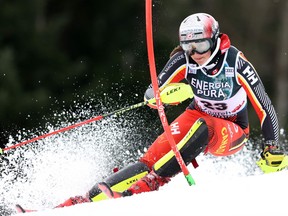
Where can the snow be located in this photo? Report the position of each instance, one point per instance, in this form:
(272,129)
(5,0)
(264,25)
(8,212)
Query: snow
(44,174)
(262,194)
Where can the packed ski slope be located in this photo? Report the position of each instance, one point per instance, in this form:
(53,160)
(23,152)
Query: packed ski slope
(44,174)
(212,195)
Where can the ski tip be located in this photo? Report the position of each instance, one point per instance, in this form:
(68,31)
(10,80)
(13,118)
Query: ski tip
(110,194)
(19,209)
(105,188)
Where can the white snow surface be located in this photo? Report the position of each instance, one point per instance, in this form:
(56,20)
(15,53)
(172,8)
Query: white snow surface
(212,195)
(42,175)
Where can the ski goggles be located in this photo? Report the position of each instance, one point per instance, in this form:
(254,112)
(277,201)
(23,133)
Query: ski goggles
(197,46)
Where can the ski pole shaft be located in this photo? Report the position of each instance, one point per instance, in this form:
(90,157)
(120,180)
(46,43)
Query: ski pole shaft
(116,112)
(172,93)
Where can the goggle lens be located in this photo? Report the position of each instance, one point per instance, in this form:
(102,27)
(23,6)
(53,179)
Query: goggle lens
(197,46)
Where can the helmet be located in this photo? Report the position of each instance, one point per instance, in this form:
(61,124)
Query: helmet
(198,33)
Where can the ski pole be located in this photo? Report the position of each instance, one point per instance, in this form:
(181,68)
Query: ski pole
(172,93)
(119,111)
(160,107)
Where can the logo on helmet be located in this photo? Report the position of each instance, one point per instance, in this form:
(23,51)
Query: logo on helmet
(199,26)
(191,34)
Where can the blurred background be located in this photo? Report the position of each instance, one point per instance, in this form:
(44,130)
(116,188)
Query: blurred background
(55,54)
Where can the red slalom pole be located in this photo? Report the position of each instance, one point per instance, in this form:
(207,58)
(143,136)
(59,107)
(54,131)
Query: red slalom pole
(160,107)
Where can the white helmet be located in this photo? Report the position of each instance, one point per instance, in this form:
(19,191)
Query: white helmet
(198,33)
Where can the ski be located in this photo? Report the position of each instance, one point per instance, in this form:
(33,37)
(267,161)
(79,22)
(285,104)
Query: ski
(20,209)
(109,193)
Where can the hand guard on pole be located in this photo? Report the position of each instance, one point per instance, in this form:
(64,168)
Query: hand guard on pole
(171,94)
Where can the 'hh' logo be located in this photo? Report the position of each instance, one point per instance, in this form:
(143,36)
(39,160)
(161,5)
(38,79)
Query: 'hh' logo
(250,75)
(175,129)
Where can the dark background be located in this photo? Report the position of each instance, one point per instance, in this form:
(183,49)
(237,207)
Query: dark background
(55,54)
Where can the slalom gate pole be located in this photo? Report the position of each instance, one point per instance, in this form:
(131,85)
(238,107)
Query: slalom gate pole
(160,107)
(119,111)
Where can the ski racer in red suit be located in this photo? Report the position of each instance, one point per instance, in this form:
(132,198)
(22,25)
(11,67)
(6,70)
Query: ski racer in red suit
(216,121)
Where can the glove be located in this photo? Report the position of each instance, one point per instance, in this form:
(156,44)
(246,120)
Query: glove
(149,94)
(271,154)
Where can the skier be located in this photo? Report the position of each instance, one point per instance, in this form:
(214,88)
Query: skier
(215,122)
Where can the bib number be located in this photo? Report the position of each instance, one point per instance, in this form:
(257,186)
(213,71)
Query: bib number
(214,106)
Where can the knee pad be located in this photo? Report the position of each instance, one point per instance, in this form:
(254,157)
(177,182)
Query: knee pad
(192,144)
(121,180)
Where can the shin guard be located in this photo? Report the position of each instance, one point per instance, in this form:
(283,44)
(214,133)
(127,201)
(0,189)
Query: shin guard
(192,144)
(121,180)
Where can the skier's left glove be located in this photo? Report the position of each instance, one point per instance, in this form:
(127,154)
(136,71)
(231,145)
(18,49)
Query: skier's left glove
(271,154)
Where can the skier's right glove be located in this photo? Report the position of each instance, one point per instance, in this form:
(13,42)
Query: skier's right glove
(149,94)
(271,154)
